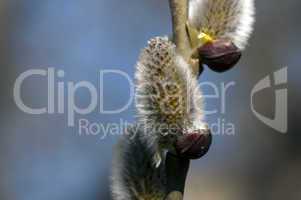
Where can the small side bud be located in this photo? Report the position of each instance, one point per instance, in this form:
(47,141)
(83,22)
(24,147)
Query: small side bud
(219,55)
(194,145)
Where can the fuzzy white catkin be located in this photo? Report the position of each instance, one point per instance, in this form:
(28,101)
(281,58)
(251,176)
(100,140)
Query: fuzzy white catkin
(166,89)
(167,94)
(231,19)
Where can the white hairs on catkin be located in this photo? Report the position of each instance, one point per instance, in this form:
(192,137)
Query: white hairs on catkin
(167,94)
(232,19)
(168,99)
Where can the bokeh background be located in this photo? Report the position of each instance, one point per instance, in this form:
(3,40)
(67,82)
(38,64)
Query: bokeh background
(42,158)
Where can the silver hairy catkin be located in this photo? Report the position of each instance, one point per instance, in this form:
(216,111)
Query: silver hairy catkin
(134,176)
(230,19)
(169,104)
(168,99)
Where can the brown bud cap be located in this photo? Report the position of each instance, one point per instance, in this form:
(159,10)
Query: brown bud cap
(194,145)
(219,55)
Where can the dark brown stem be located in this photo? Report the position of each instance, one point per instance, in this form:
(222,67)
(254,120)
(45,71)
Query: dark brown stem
(176,169)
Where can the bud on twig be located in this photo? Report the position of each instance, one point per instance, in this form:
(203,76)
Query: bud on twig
(220,55)
(194,145)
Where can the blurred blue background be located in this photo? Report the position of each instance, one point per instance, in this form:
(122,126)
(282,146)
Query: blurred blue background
(41,158)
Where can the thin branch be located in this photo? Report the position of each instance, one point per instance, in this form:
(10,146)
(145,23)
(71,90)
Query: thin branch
(176,168)
(179,14)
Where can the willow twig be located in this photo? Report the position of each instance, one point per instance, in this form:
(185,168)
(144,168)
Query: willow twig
(177,168)
(179,14)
